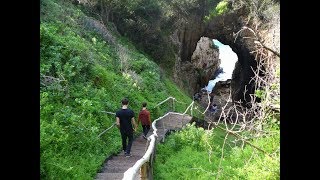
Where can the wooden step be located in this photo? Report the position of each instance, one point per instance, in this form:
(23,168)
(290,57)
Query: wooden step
(109,176)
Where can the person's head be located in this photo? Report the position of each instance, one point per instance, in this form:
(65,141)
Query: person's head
(144,104)
(125,101)
(214,105)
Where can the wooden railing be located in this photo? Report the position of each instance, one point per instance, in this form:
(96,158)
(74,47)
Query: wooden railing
(112,113)
(145,164)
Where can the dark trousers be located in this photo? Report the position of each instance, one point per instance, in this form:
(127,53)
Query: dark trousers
(146,129)
(124,135)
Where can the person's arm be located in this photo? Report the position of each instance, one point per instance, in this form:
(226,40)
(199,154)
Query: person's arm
(139,116)
(134,124)
(118,122)
(149,118)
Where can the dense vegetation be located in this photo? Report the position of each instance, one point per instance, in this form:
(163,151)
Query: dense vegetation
(195,153)
(222,7)
(149,24)
(82,75)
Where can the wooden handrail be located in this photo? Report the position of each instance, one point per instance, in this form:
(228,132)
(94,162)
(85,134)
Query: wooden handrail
(132,171)
(108,127)
(165,101)
(112,113)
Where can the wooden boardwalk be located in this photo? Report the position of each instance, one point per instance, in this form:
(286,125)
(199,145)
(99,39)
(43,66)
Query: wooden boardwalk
(114,168)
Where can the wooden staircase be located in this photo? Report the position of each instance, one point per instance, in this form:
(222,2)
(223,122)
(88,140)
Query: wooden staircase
(114,168)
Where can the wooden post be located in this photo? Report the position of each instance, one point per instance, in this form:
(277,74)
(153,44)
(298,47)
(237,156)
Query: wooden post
(152,158)
(164,129)
(144,171)
(150,172)
(182,121)
(144,167)
(147,145)
(172,104)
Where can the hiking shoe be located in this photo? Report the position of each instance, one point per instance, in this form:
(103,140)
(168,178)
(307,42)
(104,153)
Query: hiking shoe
(128,155)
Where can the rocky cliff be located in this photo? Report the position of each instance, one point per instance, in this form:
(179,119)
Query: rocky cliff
(228,29)
(204,62)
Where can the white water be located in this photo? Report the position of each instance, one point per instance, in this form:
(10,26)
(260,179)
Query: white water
(228,61)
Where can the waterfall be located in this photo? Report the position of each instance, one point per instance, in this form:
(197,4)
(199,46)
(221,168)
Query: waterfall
(228,61)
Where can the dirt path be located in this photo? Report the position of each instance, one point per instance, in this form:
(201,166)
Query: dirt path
(114,168)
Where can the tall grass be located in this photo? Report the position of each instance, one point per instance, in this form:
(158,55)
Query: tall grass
(195,153)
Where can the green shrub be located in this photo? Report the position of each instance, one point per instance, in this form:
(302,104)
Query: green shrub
(221,8)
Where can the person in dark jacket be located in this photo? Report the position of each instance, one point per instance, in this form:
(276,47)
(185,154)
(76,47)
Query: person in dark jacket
(213,108)
(197,97)
(144,118)
(124,121)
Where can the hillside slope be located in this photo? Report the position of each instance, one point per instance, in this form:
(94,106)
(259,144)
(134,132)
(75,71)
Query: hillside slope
(85,69)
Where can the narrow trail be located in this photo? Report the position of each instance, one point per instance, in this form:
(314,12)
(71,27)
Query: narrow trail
(114,168)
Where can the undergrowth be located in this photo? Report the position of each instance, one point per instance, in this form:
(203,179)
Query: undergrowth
(195,153)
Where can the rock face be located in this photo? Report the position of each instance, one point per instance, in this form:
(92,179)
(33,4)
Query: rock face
(205,54)
(206,61)
(225,29)
(221,95)
(203,64)
(185,39)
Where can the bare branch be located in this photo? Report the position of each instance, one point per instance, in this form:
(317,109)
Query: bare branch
(203,170)
(109,112)
(222,150)
(235,134)
(207,105)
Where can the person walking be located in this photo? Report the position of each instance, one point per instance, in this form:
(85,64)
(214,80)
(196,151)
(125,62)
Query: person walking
(213,108)
(144,118)
(124,121)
